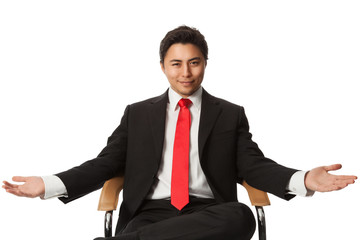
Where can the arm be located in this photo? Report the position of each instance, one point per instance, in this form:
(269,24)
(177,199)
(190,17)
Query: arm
(92,174)
(85,178)
(257,168)
(259,171)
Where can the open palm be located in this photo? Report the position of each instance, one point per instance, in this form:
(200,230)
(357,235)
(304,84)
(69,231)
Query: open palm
(32,187)
(318,179)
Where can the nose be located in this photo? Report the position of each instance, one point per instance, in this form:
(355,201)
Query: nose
(186,71)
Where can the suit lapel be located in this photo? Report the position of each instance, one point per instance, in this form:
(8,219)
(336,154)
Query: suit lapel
(210,111)
(157,116)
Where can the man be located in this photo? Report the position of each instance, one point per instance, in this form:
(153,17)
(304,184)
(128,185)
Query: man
(182,154)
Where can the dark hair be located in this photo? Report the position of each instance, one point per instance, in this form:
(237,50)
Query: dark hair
(183,34)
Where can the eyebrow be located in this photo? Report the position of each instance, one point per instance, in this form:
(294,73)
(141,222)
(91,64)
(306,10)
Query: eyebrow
(191,59)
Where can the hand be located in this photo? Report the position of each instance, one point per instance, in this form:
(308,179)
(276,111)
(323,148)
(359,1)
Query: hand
(318,179)
(32,187)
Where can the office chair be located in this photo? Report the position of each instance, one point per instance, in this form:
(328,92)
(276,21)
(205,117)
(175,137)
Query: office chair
(110,196)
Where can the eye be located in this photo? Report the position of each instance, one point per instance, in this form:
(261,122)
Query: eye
(175,64)
(194,63)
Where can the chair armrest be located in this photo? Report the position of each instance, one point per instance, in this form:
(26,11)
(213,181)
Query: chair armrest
(110,194)
(257,197)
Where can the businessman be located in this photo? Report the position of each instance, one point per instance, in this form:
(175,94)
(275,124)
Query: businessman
(182,154)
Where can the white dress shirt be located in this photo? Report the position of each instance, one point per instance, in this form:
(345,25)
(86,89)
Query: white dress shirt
(198,185)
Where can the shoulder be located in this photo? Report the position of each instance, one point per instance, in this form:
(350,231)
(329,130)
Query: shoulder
(150,101)
(221,102)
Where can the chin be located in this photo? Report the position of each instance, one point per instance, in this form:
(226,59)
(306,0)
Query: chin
(187,93)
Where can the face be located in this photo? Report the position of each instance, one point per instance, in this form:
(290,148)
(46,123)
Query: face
(184,66)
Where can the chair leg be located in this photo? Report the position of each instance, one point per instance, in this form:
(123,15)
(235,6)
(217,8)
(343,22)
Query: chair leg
(108,223)
(261,222)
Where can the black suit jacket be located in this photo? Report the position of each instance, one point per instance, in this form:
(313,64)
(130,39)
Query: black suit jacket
(227,155)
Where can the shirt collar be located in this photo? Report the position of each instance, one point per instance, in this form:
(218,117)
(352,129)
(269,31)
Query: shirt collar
(195,98)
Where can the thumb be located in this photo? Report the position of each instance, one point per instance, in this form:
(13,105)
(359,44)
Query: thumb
(19,179)
(333,167)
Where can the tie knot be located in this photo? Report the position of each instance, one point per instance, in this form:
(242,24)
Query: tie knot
(184,102)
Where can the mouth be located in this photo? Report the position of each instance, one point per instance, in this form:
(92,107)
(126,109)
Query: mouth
(186,83)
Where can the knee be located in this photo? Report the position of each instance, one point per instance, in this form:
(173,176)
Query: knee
(240,223)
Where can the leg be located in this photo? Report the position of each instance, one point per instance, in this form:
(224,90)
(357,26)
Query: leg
(200,219)
(152,211)
(221,221)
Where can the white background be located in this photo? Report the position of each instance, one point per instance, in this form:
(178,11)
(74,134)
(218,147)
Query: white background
(69,68)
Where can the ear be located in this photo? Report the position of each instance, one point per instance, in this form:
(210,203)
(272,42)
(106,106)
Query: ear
(162,67)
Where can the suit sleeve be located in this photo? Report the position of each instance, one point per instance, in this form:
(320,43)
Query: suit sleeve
(259,171)
(92,174)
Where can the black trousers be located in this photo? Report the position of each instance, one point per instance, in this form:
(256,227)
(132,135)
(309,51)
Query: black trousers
(200,219)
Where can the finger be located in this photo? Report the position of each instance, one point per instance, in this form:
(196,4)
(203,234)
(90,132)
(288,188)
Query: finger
(340,186)
(336,186)
(15,192)
(345,181)
(8,188)
(19,179)
(346,177)
(333,167)
(7,184)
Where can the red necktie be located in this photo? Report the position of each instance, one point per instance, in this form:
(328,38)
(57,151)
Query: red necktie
(180,166)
